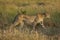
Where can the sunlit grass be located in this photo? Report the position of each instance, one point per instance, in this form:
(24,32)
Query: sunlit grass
(24,35)
(9,9)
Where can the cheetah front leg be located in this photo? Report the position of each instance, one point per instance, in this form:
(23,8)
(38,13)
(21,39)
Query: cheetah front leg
(42,24)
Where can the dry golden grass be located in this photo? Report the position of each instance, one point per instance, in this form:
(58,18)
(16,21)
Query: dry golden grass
(1,35)
(24,35)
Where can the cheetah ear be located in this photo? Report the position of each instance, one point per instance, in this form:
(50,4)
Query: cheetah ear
(19,13)
(23,12)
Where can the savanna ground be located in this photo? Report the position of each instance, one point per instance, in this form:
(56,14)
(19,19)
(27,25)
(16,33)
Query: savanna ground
(9,8)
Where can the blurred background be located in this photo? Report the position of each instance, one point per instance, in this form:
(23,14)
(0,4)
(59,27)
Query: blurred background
(9,9)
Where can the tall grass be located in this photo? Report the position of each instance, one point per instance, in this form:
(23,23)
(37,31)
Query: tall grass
(9,8)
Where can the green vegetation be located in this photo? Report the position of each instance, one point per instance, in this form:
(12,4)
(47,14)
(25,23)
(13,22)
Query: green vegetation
(9,9)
